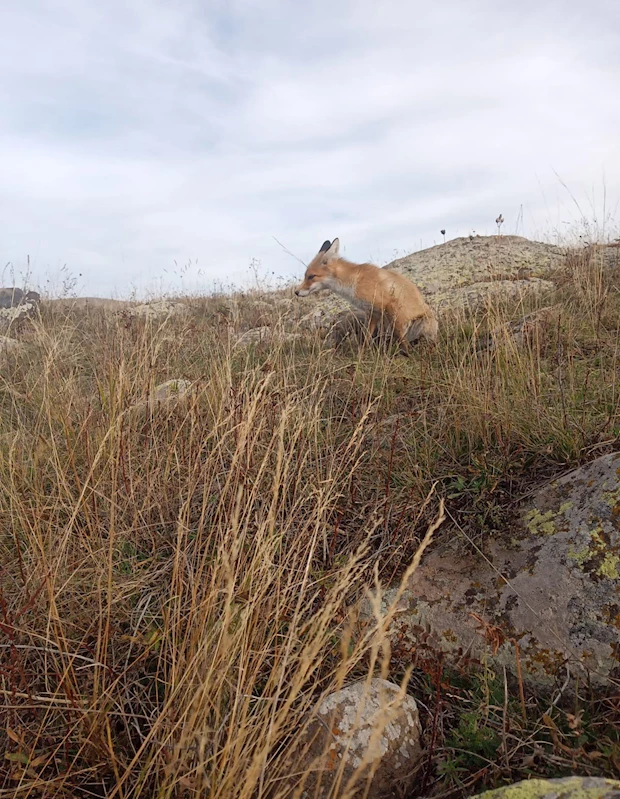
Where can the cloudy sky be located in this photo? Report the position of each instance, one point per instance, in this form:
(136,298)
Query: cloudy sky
(136,134)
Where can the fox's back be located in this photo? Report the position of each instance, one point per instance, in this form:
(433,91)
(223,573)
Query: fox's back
(387,287)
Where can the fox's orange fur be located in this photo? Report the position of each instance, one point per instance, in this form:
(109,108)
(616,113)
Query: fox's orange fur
(378,291)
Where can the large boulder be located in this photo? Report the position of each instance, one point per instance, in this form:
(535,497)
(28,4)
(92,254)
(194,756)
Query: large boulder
(567,788)
(16,305)
(472,270)
(12,296)
(366,733)
(544,599)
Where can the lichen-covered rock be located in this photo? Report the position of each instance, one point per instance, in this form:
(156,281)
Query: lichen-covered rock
(164,395)
(478,295)
(265,334)
(16,305)
(551,588)
(89,304)
(367,733)
(12,296)
(566,788)
(155,310)
(10,318)
(471,270)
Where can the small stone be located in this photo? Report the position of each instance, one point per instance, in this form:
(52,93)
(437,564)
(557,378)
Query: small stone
(362,727)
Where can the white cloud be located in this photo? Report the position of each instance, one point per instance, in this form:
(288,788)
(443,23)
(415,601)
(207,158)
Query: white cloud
(136,133)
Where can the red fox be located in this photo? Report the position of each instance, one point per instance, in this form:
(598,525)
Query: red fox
(378,291)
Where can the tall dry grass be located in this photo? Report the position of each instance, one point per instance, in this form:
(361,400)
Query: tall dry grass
(179,585)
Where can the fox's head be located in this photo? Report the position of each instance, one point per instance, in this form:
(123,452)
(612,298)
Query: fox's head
(319,269)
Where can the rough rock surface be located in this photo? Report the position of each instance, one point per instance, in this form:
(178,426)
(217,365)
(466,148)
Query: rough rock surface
(11,317)
(164,395)
(155,309)
(16,305)
(11,297)
(263,335)
(552,586)
(89,303)
(368,726)
(467,271)
(567,788)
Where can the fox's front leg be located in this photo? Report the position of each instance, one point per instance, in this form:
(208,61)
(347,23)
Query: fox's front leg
(373,322)
(401,331)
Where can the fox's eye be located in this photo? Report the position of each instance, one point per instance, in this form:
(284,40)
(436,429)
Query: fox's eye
(310,277)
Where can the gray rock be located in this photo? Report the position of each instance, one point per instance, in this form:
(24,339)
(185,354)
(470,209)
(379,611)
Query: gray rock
(358,729)
(11,317)
(89,303)
(12,296)
(155,309)
(552,588)
(467,272)
(567,788)
(164,395)
(265,334)
(490,292)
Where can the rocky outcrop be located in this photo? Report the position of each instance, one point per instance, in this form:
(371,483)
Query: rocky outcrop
(12,296)
(158,309)
(16,305)
(544,598)
(567,788)
(471,270)
(265,335)
(165,395)
(367,734)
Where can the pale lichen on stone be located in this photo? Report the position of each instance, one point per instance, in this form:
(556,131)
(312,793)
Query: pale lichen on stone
(567,788)
(609,567)
(540,523)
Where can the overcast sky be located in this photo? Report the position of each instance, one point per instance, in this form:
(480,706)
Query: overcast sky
(137,133)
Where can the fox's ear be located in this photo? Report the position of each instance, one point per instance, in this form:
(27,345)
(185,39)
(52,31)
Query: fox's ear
(325,246)
(333,250)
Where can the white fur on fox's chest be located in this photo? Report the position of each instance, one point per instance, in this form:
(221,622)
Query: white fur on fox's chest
(347,292)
